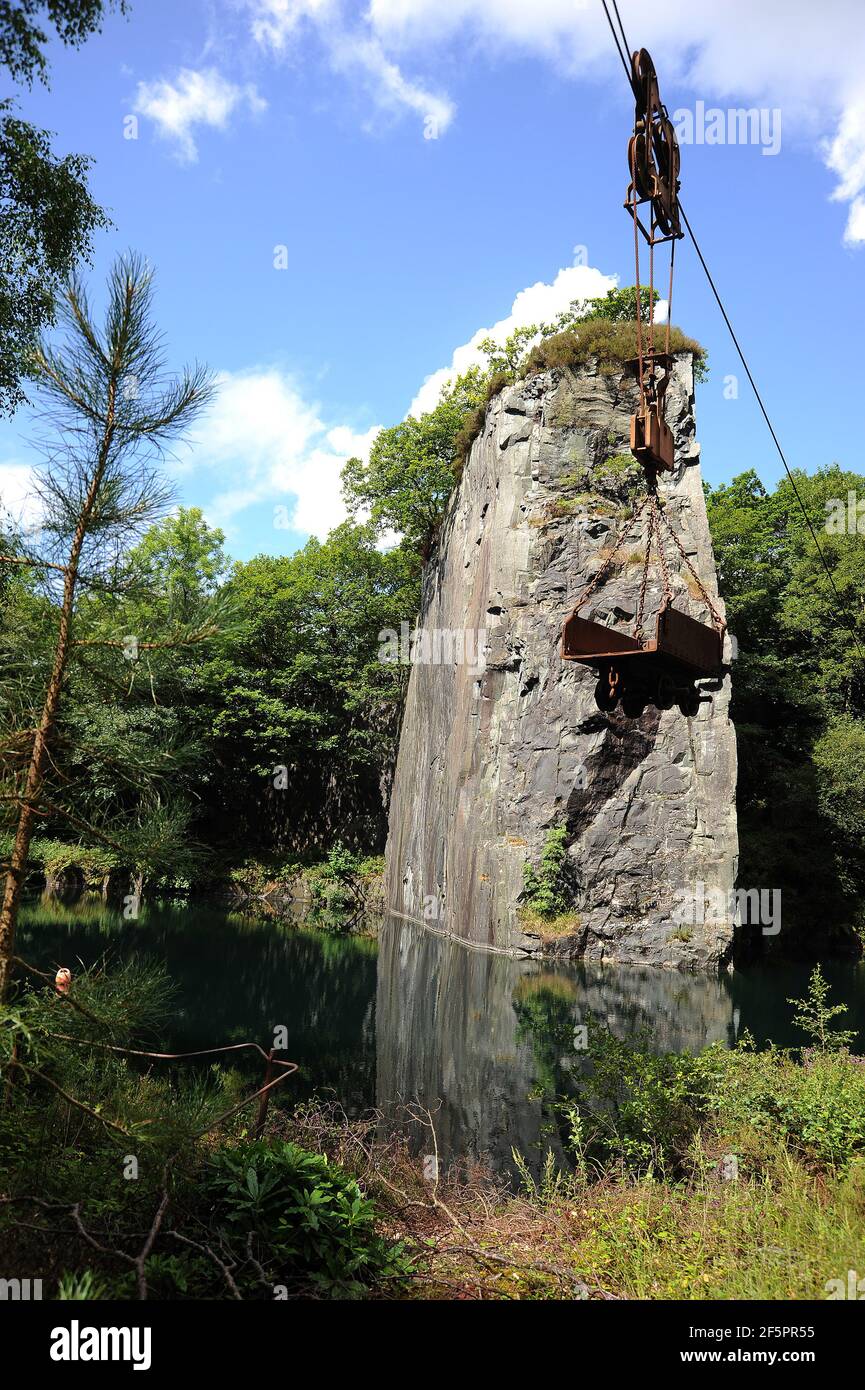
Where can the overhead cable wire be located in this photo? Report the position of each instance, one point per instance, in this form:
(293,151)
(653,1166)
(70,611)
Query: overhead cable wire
(829,575)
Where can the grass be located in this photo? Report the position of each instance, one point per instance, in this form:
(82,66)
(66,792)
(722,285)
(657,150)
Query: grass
(783,1229)
(562,507)
(782,1234)
(609,346)
(619,464)
(548,928)
(681,934)
(782,1238)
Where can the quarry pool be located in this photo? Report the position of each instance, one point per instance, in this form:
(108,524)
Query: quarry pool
(483,1041)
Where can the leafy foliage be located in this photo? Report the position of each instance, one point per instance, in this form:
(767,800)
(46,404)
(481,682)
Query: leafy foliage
(110,410)
(78,1105)
(798,696)
(23,39)
(298,716)
(814,1015)
(335,884)
(546,889)
(414,466)
(409,477)
(616,306)
(644,1113)
(309,1216)
(47,216)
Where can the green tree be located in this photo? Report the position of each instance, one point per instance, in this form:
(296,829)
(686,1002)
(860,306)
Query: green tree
(410,475)
(298,714)
(798,694)
(182,560)
(508,357)
(413,466)
(620,305)
(839,765)
(110,410)
(616,306)
(47,216)
(23,36)
(547,889)
(816,1016)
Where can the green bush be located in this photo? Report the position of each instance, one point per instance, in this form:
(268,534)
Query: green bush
(334,886)
(54,856)
(815,1016)
(313,1219)
(815,1107)
(545,890)
(638,1110)
(275,1212)
(644,1112)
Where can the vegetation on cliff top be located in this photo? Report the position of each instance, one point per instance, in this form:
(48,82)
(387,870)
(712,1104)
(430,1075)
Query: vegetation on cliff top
(414,466)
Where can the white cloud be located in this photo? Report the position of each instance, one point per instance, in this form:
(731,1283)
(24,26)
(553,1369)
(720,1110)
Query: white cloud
(539,303)
(193,98)
(261,441)
(807,60)
(854,232)
(18,501)
(275,23)
(388,85)
(845,156)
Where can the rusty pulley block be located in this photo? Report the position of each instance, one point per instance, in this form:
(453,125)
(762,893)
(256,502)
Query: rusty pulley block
(653,162)
(633,669)
(653,155)
(651,437)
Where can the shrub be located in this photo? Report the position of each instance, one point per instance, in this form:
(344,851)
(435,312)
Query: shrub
(638,1110)
(311,1218)
(604,341)
(546,889)
(645,1112)
(335,885)
(815,1107)
(815,1015)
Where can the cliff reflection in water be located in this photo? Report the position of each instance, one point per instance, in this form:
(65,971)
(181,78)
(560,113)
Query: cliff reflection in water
(486,1042)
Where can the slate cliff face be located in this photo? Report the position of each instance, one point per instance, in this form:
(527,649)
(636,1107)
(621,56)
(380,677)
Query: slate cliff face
(496,750)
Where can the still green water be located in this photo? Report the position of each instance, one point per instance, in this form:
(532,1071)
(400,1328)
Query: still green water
(483,1040)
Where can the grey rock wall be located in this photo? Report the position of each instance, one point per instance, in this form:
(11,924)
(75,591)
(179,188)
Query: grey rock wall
(494,751)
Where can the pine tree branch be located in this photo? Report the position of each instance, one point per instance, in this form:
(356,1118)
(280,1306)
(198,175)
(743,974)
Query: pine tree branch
(35,564)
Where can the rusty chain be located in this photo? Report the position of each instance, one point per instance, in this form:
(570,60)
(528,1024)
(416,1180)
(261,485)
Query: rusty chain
(716,616)
(604,569)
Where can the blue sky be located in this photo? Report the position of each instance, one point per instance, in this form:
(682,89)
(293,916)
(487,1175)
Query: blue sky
(416,166)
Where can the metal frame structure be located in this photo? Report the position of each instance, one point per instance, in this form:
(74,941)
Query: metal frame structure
(665,668)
